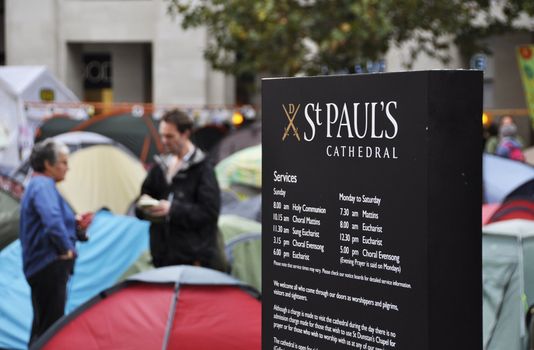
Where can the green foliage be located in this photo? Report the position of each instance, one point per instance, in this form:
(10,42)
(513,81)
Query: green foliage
(289,37)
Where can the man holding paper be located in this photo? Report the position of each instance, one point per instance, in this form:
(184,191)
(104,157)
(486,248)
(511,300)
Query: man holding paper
(181,198)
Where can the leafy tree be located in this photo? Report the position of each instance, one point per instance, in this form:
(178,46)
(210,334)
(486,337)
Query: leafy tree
(289,37)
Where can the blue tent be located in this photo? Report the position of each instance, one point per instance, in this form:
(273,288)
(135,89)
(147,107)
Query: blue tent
(115,243)
(502,176)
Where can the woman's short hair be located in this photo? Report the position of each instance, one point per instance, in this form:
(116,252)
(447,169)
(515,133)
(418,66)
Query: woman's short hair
(47,150)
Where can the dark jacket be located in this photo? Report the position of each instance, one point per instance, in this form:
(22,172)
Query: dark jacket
(188,233)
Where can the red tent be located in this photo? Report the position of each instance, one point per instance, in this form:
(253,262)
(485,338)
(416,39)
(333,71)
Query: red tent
(514,209)
(487,212)
(177,307)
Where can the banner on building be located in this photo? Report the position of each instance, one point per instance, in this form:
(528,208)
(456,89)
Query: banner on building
(525,57)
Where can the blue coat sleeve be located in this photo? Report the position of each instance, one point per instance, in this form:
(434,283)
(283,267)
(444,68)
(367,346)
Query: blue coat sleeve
(48,206)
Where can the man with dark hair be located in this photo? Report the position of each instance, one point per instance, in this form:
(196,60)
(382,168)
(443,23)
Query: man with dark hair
(184,215)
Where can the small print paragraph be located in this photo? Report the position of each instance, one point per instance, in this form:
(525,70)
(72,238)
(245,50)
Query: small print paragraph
(334,330)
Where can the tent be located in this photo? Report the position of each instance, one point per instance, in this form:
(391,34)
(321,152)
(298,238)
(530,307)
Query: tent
(11,121)
(242,242)
(241,172)
(242,246)
(242,138)
(11,186)
(208,136)
(20,84)
(102,176)
(487,211)
(143,263)
(244,257)
(514,209)
(115,243)
(525,191)
(529,155)
(249,208)
(138,134)
(501,176)
(10,195)
(518,204)
(9,218)
(75,140)
(175,307)
(56,125)
(508,283)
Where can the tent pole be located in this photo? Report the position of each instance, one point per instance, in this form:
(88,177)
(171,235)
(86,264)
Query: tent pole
(170,318)
(523,308)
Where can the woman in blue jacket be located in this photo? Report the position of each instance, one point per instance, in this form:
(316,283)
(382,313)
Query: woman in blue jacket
(47,235)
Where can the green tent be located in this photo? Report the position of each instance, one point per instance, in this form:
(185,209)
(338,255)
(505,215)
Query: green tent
(9,218)
(143,263)
(508,283)
(138,134)
(242,240)
(55,126)
(242,245)
(241,172)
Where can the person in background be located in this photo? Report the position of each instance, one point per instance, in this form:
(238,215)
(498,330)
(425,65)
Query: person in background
(510,145)
(506,126)
(181,198)
(48,234)
(491,137)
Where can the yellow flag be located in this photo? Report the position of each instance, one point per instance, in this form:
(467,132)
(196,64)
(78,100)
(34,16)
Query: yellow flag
(525,58)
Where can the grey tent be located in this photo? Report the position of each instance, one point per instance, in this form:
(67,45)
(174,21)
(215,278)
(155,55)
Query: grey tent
(508,283)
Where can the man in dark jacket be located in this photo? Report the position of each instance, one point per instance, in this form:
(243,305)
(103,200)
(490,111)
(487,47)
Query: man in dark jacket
(184,221)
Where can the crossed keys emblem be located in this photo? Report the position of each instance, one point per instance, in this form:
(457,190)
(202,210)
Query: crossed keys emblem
(291,113)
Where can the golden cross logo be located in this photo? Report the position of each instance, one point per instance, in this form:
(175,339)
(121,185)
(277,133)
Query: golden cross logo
(291,113)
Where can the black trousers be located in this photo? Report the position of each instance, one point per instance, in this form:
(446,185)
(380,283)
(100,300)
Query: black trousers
(49,294)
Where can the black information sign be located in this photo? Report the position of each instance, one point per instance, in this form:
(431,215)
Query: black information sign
(371,212)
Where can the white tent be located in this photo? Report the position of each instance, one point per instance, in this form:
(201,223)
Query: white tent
(20,84)
(508,283)
(10,110)
(102,176)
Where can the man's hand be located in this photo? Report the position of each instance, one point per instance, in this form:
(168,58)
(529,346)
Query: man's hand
(162,209)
